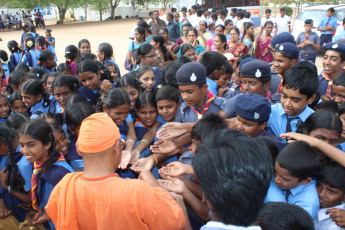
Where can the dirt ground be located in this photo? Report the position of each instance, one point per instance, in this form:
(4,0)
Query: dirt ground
(115,32)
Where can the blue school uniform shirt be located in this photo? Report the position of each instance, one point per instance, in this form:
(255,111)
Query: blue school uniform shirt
(133,45)
(6,69)
(15,60)
(3,160)
(50,47)
(35,35)
(304,196)
(37,109)
(185,114)
(332,21)
(47,182)
(339,35)
(3,120)
(117,67)
(233,91)
(212,86)
(31,58)
(278,118)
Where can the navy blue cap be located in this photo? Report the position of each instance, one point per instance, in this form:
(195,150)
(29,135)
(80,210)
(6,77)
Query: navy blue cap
(282,38)
(335,46)
(191,73)
(288,49)
(256,69)
(308,21)
(252,107)
(244,61)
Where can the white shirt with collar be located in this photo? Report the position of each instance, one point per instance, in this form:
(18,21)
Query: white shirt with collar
(264,20)
(215,225)
(323,221)
(283,23)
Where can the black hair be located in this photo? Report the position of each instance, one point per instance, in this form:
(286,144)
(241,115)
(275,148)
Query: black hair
(144,49)
(13,46)
(208,125)
(32,28)
(29,41)
(340,79)
(83,41)
(181,60)
(233,168)
(185,47)
(45,77)
(234,10)
(75,99)
(25,26)
(227,21)
(95,67)
(141,31)
(284,216)
(223,12)
(116,97)
(240,14)
(183,9)
(37,72)
(15,79)
(268,22)
(22,67)
(187,25)
(268,11)
(236,29)
(322,119)
(331,10)
(3,56)
(331,106)
(199,13)
(107,49)
(14,97)
(171,15)
(303,77)
(242,57)
(41,41)
(71,52)
(131,81)
(194,30)
(74,116)
(87,56)
(246,26)
(332,174)
(57,117)
(214,16)
(221,26)
(7,136)
(169,74)
(144,25)
(145,98)
(223,39)
(70,82)
(168,92)
(271,146)
(212,61)
(341,110)
(44,56)
(247,14)
(160,40)
(35,87)
(16,120)
(63,67)
(299,158)
(141,70)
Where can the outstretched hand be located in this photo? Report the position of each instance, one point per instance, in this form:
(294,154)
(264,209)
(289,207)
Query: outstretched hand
(166,146)
(37,219)
(171,130)
(172,185)
(142,164)
(174,169)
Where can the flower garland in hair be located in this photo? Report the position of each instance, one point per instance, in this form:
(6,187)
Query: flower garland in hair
(29,43)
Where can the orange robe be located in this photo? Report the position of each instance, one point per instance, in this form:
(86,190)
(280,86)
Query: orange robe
(111,203)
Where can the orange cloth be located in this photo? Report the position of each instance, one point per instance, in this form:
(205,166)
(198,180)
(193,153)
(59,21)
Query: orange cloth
(111,203)
(97,133)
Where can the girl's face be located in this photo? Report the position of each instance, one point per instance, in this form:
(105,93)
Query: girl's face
(229,25)
(113,73)
(329,136)
(84,48)
(250,31)
(138,36)
(191,54)
(155,44)
(234,36)
(90,80)
(47,34)
(61,141)
(218,44)
(32,149)
(148,80)
(202,26)
(133,94)
(185,30)
(4,108)
(30,100)
(50,81)
(118,114)
(191,36)
(164,34)
(18,107)
(149,59)
(50,63)
(100,55)
(61,94)
(219,30)
(268,29)
(147,114)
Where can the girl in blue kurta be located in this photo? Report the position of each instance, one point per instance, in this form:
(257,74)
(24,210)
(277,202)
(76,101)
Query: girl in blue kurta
(30,58)
(105,54)
(4,109)
(46,61)
(16,54)
(37,144)
(50,42)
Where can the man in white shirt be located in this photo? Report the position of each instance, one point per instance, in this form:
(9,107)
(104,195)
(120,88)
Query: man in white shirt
(151,17)
(184,16)
(240,21)
(233,17)
(247,17)
(222,17)
(131,33)
(283,22)
(268,17)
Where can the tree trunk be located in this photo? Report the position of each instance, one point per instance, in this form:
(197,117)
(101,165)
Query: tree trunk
(100,12)
(113,7)
(62,13)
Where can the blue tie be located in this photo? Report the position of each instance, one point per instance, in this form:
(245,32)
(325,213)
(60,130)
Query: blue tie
(288,125)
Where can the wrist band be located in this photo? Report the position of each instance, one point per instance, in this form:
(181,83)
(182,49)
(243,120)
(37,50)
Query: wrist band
(130,141)
(147,143)
(9,189)
(154,156)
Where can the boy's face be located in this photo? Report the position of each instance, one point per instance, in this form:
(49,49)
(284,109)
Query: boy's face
(282,13)
(192,95)
(308,27)
(293,101)
(224,79)
(251,128)
(281,63)
(167,109)
(195,143)
(283,178)
(331,62)
(342,118)
(329,196)
(329,13)
(254,85)
(338,94)
(268,14)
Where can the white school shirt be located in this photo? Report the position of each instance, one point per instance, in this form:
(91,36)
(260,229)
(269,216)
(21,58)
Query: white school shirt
(215,225)
(283,24)
(264,20)
(323,221)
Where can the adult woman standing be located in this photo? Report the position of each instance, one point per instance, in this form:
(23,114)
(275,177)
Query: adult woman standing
(220,46)
(263,49)
(192,39)
(203,36)
(148,33)
(163,55)
(184,38)
(236,47)
(171,46)
(139,39)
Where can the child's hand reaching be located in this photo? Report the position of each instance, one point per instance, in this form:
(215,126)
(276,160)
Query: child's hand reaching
(142,164)
(173,185)
(172,130)
(337,215)
(292,137)
(106,86)
(167,146)
(126,156)
(174,169)
(37,219)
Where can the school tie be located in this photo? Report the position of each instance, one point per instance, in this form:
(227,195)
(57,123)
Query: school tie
(328,21)
(210,98)
(287,194)
(288,123)
(330,82)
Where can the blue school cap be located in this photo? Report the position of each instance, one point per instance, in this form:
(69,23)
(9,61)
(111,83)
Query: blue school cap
(245,61)
(256,69)
(252,107)
(191,73)
(289,49)
(308,21)
(335,46)
(282,38)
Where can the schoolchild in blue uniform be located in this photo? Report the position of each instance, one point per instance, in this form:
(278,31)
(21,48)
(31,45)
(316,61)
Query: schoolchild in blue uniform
(5,65)
(26,30)
(74,116)
(46,61)
(105,54)
(214,64)
(16,54)
(338,89)
(30,58)
(16,176)
(341,114)
(15,101)
(299,89)
(256,78)
(33,30)
(308,42)
(132,86)
(49,166)
(292,182)
(147,78)
(198,101)
(224,82)
(92,78)
(333,62)
(50,42)
(35,98)
(4,109)
(327,26)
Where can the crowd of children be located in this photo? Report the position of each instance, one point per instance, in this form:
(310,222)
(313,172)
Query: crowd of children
(195,140)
